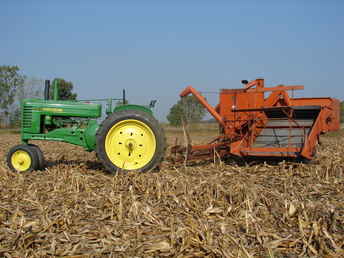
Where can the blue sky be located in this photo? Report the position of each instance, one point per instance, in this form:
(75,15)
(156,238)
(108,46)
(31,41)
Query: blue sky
(154,49)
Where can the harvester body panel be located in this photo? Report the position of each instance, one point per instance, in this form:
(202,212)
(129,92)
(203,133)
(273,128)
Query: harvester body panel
(254,124)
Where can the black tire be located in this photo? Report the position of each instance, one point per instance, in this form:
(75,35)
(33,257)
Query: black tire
(28,150)
(41,160)
(143,117)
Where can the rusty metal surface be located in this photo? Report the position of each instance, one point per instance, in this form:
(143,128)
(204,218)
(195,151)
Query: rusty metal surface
(253,124)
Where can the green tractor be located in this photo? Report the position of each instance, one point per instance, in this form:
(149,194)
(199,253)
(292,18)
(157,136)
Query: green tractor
(128,139)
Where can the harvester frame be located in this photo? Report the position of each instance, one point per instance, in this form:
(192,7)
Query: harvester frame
(252,125)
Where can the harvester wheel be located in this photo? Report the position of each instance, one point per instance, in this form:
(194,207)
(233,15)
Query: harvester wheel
(22,158)
(130,140)
(41,160)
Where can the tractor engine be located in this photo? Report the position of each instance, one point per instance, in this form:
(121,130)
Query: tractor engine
(39,116)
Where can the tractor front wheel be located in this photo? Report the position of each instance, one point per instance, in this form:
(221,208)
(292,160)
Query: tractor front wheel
(130,140)
(22,158)
(40,156)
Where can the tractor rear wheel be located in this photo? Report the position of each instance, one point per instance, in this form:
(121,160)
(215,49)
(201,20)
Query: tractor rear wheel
(130,140)
(22,158)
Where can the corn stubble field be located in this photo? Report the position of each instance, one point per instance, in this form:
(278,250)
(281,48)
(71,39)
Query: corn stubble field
(221,209)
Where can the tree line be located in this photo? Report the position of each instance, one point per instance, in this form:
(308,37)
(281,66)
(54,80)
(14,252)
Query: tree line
(15,86)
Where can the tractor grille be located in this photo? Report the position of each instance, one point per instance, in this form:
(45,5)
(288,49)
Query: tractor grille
(27,117)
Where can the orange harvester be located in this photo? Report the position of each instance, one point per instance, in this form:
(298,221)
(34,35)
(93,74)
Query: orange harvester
(258,126)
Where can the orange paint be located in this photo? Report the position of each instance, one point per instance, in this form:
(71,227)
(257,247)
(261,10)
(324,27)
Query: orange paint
(245,116)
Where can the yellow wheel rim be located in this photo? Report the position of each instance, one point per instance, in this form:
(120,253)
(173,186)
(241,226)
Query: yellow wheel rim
(21,160)
(130,144)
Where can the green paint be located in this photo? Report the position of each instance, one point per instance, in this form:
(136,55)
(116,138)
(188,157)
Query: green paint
(90,135)
(55,89)
(108,107)
(59,120)
(133,107)
(85,137)
(36,111)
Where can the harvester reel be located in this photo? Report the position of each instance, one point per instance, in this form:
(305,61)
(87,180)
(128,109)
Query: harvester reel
(130,140)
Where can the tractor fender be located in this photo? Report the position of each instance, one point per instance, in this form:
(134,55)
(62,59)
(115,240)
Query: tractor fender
(133,107)
(90,135)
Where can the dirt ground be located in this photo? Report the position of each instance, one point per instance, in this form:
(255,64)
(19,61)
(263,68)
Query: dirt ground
(73,208)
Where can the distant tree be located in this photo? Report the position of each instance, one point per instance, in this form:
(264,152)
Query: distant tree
(65,90)
(342,112)
(32,88)
(187,109)
(10,81)
(176,114)
(14,117)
